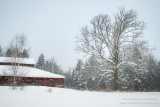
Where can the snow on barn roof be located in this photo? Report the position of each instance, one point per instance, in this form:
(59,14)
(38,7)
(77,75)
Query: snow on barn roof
(17,60)
(6,70)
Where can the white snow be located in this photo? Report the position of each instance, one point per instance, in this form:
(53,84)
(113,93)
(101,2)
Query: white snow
(5,70)
(20,60)
(34,96)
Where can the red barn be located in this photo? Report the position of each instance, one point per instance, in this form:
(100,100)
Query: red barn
(26,73)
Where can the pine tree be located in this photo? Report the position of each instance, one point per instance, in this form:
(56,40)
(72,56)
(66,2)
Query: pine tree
(133,73)
(48,66)
(25,54)
(68,78)
(55,68)
(1,52)
(79,80)
(41,62)
(8,53)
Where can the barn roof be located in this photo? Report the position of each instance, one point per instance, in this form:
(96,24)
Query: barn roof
(17,60)
(6,70)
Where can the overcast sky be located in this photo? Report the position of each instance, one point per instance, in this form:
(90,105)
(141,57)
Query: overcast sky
(51,25)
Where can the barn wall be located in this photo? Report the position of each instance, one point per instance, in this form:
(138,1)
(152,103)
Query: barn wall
(28,65)
(54,82)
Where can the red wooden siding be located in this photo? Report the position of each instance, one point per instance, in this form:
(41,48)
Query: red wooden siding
(29,65)
(59,82)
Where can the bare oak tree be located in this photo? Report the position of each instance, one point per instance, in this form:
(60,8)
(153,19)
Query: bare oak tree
(105,39)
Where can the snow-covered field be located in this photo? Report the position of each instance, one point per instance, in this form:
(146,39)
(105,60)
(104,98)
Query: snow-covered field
(34,96)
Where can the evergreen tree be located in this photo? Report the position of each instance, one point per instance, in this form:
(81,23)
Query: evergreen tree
(50,69)
(1,52)
(68,78)
(55,68)
(132,74)
(48,66)
(52,66)
(8,53)
(79,80)
(25,54)
(41,62)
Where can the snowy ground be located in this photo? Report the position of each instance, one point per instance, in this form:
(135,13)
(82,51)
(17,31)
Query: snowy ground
(34,96)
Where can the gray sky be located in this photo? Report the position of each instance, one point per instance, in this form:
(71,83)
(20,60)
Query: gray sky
(51,25)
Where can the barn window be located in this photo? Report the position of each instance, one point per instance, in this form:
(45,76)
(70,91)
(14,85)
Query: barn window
(33,81)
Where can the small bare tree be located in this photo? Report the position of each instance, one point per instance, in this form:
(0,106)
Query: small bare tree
(109,37)
(16,47)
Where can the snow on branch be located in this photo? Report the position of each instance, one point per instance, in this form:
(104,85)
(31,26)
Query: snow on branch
(127,63)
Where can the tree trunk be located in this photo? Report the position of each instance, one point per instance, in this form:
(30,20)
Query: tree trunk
(115,79)
(115,67)
(14,82)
